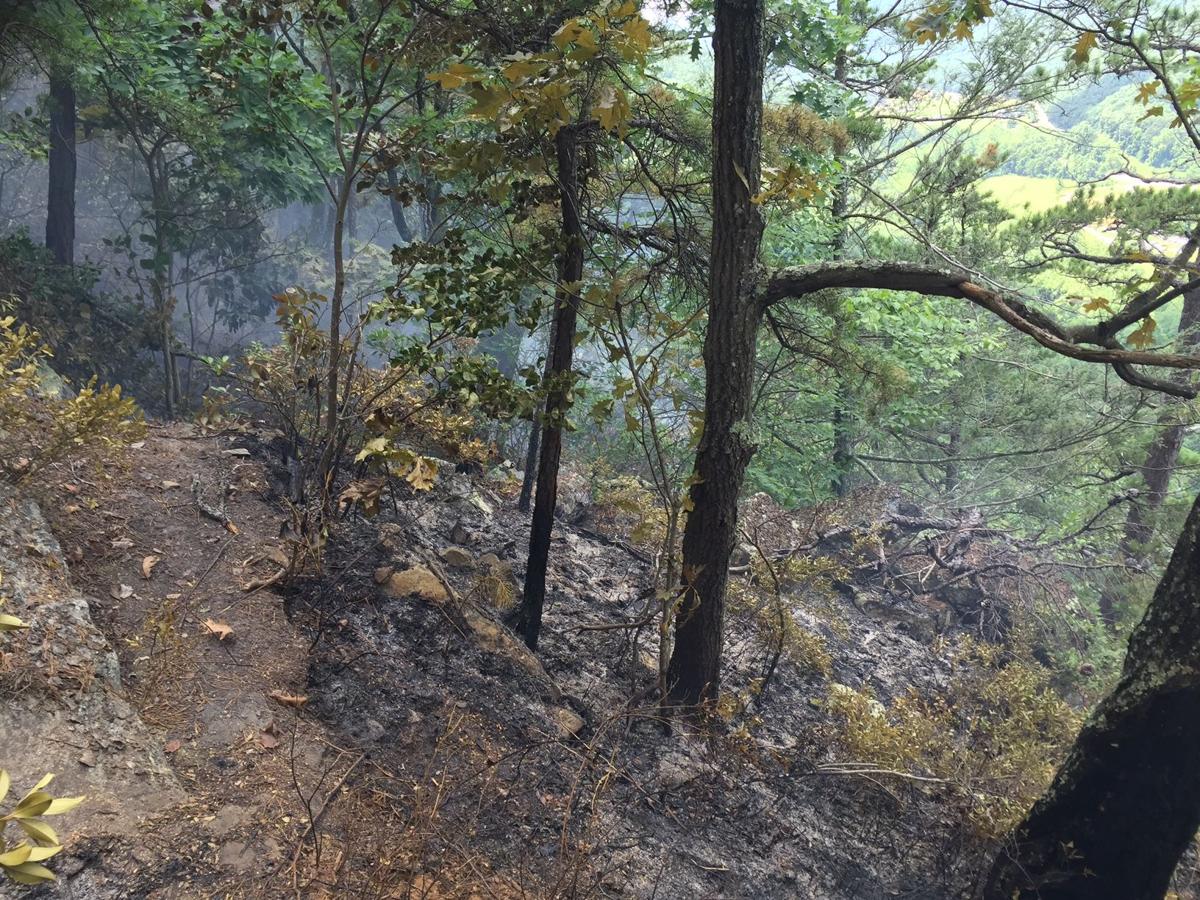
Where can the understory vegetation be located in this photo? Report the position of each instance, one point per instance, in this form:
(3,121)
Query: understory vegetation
(811,382)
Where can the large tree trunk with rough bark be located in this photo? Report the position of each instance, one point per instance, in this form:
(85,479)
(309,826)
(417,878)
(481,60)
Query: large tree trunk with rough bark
(60,201)
(1126,802)
(734,314)
(558,374)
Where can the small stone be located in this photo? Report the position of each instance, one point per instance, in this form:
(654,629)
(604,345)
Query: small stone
(417,581)
(459,534)
(458,558)
(569,722)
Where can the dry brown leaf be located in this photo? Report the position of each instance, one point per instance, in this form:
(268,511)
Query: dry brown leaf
(168,485)
(148,564)
(292,700)
(268,740)
(220,629)
(121,592)
(71,488)
(230,527)
(172,745)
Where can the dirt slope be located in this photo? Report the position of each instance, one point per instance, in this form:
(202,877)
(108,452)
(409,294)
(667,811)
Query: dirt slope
(430,755)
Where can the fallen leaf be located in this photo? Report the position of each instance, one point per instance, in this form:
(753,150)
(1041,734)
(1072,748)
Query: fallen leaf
(230,527)
(172,745)
(137,445)
(220,629)
(168,485)
(148,564)
(268,741)
(71,509)
(121,592)
(121,543)
(71,488)
(288,699)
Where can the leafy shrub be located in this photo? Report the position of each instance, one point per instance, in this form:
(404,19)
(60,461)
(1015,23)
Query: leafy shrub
(627,500)
(995,736)
(38,428)
(22,861)
(91,334)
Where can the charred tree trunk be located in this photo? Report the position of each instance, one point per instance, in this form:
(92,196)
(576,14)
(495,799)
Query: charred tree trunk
(60,201)
(735,312)
(558,371)
(530,473)
(1126,802)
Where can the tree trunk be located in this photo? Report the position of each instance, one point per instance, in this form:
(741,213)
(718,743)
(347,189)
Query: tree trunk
(843,440)
(1126,802)
(558,370)
(60,202)
(734,314)
(336,302)
(529,475)
(1163,454)
(397,208)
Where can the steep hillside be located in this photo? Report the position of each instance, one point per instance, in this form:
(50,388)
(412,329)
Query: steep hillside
(374,730)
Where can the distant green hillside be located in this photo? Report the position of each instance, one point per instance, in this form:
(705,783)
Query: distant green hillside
(1090,134)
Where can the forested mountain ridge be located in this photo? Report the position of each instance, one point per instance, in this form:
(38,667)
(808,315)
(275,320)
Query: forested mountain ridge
(736,448)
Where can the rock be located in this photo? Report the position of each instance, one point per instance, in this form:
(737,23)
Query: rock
(459,533)
(69,715)
(489,561)
(418,581)
(741,556)
(569,722)
(494,638)
(392,537)
(458,558)
(482,505)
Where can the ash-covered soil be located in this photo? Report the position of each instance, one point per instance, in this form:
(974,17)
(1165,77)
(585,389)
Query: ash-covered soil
(564,775)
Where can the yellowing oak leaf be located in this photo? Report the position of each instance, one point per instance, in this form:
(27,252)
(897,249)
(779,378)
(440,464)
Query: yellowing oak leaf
(456,76)
(1083,47)
(612,109)
(1143,335)
(220,629)
(423,473)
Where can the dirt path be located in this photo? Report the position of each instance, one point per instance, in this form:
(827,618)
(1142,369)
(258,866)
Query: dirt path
(201,656)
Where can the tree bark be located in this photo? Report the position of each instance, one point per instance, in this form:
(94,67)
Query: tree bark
(734,315)
(60,202)
(558,371)
(529,475)
(1126,802)
(402,229)
(843,440)
(1163,454)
